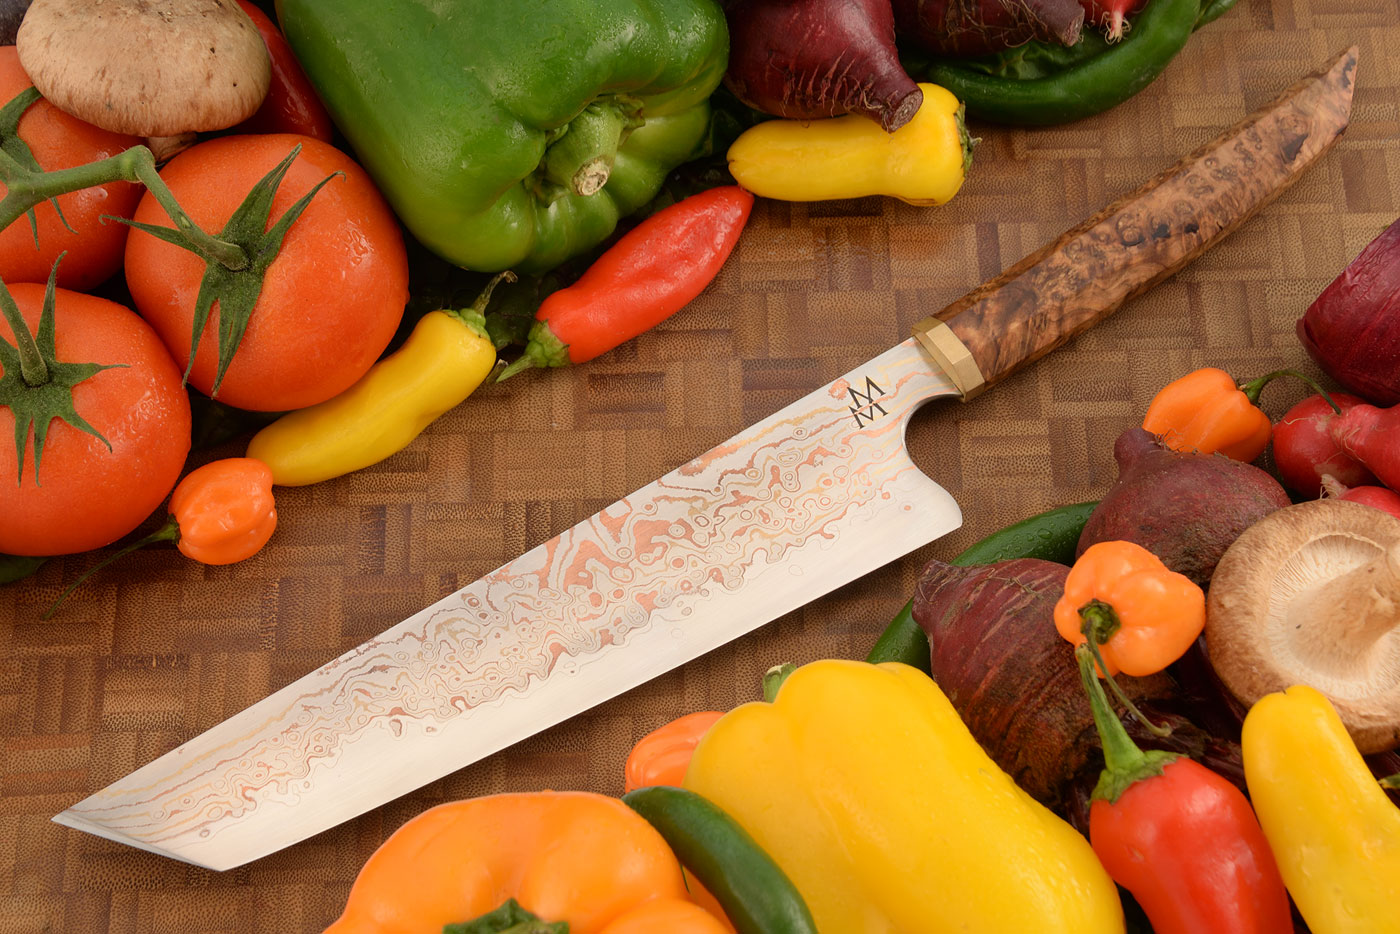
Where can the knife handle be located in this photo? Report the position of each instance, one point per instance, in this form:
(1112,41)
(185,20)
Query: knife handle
(1142,238)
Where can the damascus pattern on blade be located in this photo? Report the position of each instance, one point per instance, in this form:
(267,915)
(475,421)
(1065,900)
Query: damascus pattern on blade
(778,496)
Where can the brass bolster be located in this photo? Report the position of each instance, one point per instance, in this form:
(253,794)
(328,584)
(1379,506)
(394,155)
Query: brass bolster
(951,355)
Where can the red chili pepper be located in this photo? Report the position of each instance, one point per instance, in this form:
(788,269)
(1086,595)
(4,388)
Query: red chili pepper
(220,513)
(291,105)
(653,271)
(1181,838)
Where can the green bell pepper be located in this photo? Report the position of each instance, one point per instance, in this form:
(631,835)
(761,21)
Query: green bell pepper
(514,135)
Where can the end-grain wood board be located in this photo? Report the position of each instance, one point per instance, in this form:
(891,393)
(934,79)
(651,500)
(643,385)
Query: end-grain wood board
(154,651)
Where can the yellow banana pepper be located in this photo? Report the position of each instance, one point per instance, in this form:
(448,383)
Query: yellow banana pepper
(446,356)
(923,162)
(1333,830)
(865,786)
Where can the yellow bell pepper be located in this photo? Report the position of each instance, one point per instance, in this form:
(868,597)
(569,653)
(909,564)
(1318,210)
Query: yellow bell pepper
(1333,830)
(445,358)
(923,162)
(865,786)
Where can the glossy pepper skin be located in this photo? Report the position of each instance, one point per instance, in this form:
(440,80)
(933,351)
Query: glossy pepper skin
(662,756)
(291,105)
(482,121)
(565,856)
(446,357)
(864,785)
(1181,838)
(1333,829)
(652,271)
(1205,412)
(923,162)
(1142,615)
(224,510)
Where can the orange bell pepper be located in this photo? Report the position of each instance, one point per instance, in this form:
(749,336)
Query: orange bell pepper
(1206,412)
(571,856)
(1141,615)
(661,757)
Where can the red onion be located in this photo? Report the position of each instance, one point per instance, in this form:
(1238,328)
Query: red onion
(1352,329)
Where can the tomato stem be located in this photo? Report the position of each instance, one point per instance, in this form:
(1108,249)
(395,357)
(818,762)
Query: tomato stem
(32,368)
(27,187)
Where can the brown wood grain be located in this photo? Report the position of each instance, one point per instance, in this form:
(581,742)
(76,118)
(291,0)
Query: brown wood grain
(150,653)
(1123,250)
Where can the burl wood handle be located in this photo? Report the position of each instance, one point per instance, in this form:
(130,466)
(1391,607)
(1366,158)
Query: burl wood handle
(1140,239)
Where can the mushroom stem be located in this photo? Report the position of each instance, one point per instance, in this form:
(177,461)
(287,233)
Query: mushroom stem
(1340,622)
(28,189)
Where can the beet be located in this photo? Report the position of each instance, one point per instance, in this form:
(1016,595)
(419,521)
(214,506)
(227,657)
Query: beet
(996,655)
(1352,329)
(1184,508)
(977,27)
(807,59)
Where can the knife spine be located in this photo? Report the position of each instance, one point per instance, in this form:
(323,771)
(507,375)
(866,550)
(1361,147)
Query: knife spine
(1146,236)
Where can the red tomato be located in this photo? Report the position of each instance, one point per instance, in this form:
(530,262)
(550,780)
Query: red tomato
(60,141)
(291,105)
(330,301)
(87,496)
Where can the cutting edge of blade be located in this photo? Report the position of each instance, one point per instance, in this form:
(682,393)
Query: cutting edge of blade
(68,818)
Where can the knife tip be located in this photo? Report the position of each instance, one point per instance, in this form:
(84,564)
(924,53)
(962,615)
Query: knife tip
(76,821)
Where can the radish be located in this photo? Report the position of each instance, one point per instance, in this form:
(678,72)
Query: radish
(976,27)
(1304,449)
(1110,14)
(1378,496)
(807,59)
(1372,436)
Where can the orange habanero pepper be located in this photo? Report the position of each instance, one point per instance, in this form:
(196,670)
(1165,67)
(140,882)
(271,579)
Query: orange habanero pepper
(220,513)
(563,856)
(661,757)
(1206,412)
(1141,615)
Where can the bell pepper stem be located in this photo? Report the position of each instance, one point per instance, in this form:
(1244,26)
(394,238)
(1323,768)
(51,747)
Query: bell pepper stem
(1254,387)
(169,532)
(509,918)
(1100,622)
(774,678)
(1391,782)
(582,158)
(32,368)
(27,189)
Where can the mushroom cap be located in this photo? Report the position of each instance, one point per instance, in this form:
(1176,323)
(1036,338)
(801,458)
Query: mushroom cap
(1310,594)
(146,67)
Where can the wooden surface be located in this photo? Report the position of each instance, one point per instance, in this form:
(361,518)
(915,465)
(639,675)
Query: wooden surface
(150,655)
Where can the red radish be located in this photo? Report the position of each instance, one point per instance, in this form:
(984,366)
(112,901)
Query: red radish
(1110,15)
(1378,496)
(976,27)
(1304,449)
(1372,436)
(807,59)
(1352,329)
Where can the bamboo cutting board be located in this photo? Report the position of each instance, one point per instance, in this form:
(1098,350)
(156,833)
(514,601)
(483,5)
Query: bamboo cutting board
(155,650)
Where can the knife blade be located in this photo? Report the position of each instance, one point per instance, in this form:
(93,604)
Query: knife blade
(805,501)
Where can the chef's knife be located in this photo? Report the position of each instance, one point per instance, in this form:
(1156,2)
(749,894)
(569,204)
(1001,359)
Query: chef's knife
(791,508)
